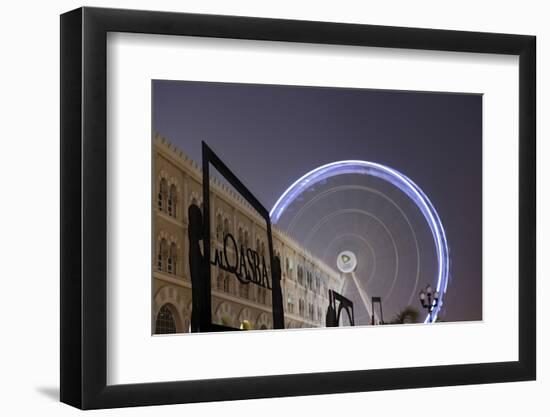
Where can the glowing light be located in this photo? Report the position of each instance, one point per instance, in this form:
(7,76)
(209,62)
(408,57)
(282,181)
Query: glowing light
(346,262)
(403,183)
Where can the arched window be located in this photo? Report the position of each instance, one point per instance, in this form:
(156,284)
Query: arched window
(246,239)
(300,275)
(262,249)
(161,254)
(309,278)
(165,323)
(219,227)
(162,194)
(225,226)
(172,201)
(244,290)
(262,295)
(290,305)
(226,284)
(172,257)
(240,238)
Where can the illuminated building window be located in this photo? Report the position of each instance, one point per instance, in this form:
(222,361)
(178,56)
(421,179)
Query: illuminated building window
(300,275)
(161,196)
(165,322)
(172,199)
(309,280)
(161,254)
(240,237)
(219,227)
(290,305)
(225,226)
(171,264)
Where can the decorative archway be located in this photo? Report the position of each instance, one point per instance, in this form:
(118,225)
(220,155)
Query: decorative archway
(263,321)
(245,316)
(165,322)
(224,315)
(169,295)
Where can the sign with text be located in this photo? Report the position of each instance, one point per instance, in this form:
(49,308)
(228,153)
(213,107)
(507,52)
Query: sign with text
(243,277)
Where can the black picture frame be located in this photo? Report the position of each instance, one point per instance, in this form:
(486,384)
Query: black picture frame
(84,207)
(209,157)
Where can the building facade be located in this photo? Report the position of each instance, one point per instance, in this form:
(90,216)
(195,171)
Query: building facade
(305,280)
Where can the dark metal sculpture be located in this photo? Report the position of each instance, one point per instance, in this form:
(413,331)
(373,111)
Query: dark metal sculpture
(333,314)
(377,300)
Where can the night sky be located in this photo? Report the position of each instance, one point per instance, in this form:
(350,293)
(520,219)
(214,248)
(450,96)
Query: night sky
(272,135)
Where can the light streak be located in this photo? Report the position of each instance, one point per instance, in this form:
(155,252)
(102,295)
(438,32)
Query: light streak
(403,183)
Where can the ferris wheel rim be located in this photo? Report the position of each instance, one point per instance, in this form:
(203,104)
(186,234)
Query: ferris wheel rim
(394,177)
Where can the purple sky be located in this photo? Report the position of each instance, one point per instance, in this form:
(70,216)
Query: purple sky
(271,135)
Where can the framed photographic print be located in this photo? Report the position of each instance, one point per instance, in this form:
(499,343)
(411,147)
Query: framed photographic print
(257,208)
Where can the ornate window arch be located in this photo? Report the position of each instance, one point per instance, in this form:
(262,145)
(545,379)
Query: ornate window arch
(172,200)
(290,304)
(244,290)
(172,258)
(301,307)
(225,226)
(226,283)
(166,320)
(219,226)
(300,275)
(246,238)
(240,237)
(162,194)
(162,254)
(178,303)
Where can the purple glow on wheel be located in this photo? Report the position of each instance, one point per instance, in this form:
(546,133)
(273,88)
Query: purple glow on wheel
(398,180)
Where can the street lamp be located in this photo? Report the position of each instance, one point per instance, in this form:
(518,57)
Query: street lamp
(429,299)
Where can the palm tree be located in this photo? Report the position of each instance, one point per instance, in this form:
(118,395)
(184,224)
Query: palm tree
(408,315)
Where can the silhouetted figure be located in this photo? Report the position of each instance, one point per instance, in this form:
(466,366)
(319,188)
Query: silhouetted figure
(331,311)
(196,264)
(277,295)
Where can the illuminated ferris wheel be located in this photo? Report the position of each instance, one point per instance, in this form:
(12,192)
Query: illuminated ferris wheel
(375,219)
